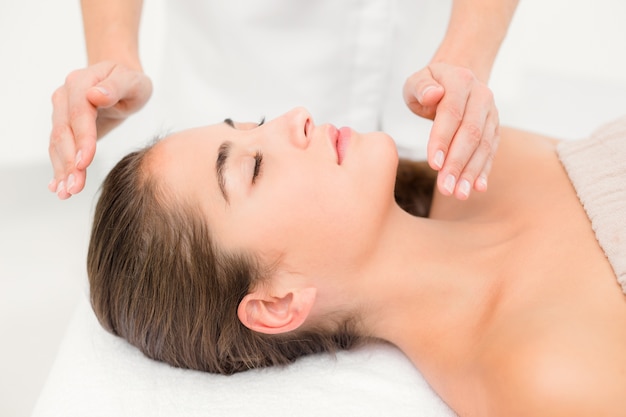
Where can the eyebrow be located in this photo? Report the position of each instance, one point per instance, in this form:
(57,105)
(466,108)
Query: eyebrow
(220,164)
(230,122)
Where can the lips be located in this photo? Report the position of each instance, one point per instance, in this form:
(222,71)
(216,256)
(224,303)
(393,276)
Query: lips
(343,138)
(340,139)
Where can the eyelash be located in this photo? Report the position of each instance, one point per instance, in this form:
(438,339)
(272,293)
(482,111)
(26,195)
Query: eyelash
(258,165)
(258,159)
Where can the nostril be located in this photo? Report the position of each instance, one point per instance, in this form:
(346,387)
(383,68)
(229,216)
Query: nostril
(307,127)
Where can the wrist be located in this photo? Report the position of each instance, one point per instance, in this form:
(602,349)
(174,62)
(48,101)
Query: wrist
(474,35)
(129,61)
(480,66)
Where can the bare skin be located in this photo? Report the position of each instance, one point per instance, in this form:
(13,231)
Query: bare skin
(553,318)
(505,302)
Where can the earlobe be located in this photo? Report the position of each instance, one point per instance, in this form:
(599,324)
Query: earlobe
(273,315)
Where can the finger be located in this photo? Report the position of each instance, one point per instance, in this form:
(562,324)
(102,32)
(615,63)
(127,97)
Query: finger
(458,84)
(82,117)
(52,185)
(482,182)
(61,146)
(450,114)
(100,96)
(75,181)
(62,192)
(421,93)
(67,179)
(471,177)
(430,95)
(68,186)
(85,100)
(122,92)
(465,142)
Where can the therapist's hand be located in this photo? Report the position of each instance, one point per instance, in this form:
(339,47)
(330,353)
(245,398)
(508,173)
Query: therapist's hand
(466,126)
(91,103)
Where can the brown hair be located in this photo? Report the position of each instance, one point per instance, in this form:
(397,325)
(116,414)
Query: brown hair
(415,185)
(158,280)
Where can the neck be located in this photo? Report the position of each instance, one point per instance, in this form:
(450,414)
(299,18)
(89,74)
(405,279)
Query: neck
(430,286)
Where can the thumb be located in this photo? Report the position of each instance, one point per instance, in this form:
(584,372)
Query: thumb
(131,87)
(430,94)
(422,93)
(101,96)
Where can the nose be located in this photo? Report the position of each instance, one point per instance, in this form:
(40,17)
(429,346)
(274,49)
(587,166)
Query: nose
(300,127)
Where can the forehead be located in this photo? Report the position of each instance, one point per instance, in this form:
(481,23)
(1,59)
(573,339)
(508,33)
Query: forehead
(198,143)
(186,140)
(185,160)
(191,145)
(209,136)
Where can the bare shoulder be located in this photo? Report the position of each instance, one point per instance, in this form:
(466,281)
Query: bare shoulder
(522,160)
(575,377)
(520,146)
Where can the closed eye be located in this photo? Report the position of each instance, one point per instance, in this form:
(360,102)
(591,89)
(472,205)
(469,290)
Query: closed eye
(258,159)
(258,156)
(258,165)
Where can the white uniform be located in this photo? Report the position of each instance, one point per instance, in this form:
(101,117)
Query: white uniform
(344,60)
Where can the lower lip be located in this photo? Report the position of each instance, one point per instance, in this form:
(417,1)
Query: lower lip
(343,138)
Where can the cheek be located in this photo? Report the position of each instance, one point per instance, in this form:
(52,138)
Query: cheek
(328,217)
(313,214)
(296,213)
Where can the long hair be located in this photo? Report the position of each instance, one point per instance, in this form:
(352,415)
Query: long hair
(158,280)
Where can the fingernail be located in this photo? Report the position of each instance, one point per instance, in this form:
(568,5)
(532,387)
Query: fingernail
(482,183)
(439,157)
(464,188)
(103,90)
(70,183)
(60,187)
(52,185)
(425,91)
(449,183)
(79,157)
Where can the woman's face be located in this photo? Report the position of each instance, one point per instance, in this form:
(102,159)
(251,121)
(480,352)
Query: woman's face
(300,196)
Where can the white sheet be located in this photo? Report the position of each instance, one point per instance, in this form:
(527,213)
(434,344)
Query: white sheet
(98,374)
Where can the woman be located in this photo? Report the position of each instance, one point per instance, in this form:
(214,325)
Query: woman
(240,245)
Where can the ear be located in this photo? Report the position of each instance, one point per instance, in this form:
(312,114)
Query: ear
(269,314)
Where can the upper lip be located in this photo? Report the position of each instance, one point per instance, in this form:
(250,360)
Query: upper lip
(334,136)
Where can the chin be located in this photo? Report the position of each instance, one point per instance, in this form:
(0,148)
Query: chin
(382,162)
(386,150)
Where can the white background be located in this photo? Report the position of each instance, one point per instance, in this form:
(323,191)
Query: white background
(561,71)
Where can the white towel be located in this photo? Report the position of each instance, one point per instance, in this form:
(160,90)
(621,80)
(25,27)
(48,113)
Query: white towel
(97,374)
(597,168)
